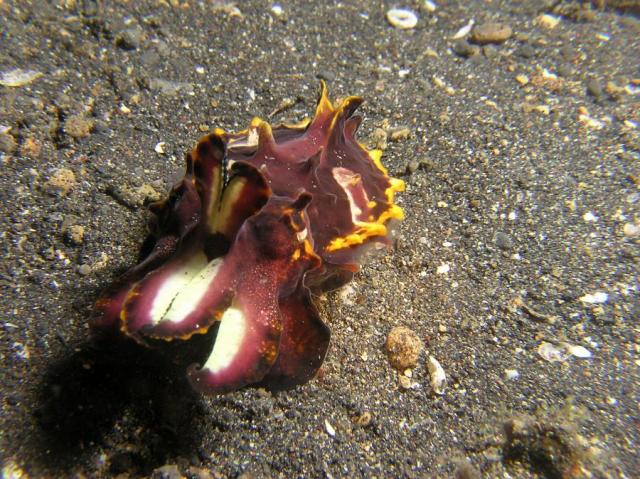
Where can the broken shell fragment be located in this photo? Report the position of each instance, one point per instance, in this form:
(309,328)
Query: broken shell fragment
(402,18)
(438,378)
(562,352)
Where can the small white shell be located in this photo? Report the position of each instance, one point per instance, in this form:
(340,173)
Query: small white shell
(438,377)
(159,148)
(562,352)
(464,31)
(329,428)
(577,351)
(402,18)
(444,268)
(511,374)
(549,352)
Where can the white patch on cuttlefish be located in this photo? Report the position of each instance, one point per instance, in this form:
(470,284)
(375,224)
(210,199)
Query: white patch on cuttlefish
(233,328)
(190,296)
(174,284)
(346,179)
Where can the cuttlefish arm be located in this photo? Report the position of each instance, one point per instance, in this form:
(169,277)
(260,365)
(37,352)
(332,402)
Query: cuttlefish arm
(303,344)
(269,258)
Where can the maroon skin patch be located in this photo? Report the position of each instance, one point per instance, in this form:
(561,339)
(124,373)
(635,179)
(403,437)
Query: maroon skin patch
(262,220)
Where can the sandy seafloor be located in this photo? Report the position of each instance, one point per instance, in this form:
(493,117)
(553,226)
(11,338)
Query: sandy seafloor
(522,170)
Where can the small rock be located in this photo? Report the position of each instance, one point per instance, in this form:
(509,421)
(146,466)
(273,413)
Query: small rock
(379,138)
(399,134)
(75,234)
(547,21)
(169,471)
(403,348)
(466,471)
(78,126)
(402,18)
(8,144)
(31,148)
(363,419)
(169,87)
(130,39)
(134,198)
(491,33)
(405,382)
(490,51)
(427,164)
(594,88)
(465,49)
(429,6)
(412,167)
(84,270)
(60,182)
(199,473)
(526,51)
(631,230)
(503,241)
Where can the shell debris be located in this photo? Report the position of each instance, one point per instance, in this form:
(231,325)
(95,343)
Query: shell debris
(438,378)
(402,18)
(329,428)
(599,297)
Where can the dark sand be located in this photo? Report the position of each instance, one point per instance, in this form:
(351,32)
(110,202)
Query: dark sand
(524,164)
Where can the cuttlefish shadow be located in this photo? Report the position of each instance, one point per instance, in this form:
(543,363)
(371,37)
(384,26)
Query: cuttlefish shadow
(105,383)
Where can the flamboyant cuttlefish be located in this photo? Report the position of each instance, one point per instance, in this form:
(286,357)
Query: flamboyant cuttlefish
(262,220)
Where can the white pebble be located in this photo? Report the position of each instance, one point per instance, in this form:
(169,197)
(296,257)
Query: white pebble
(429,6)
(444,268)
(578,351)
(464,31)
(547,21)
(438,377)
(159,148)
(631,230)
(549,352)
(402,18)
(598,297)
(589,217)
(330,430)
(277,9)
(21,350)
(511,374)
